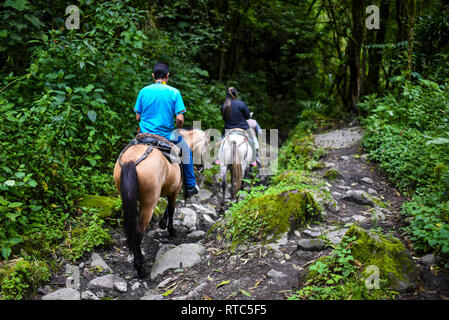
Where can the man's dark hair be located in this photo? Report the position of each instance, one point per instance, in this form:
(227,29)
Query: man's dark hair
(160,70)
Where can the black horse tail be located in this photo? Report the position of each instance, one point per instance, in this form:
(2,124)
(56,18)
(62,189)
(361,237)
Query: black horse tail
(129,186)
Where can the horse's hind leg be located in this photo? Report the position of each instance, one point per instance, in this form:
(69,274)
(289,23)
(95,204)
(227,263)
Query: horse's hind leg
(138,257)
(171,209)
(146,214)
(163,222)
(223,171)
(167,220)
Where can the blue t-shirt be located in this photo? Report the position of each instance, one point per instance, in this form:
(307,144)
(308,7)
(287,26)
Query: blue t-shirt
(157,104)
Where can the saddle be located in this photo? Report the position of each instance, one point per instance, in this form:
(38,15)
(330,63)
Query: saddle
(238,131)
(168,148)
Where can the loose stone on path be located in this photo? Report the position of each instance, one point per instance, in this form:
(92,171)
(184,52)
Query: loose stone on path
(97,261)
(105,282)
(182,256)
(63,294)
(311,244)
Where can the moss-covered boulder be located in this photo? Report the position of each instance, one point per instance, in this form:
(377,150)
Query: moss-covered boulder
(332,174)
(107,206)
(388,254)
(271,214)
(291,177)
(315,165)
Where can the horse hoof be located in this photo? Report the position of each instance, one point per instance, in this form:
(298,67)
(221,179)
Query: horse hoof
(172,233)
(141,273)
(162,224)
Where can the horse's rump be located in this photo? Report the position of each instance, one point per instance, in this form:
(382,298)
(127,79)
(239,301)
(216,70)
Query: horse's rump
(197,141)
(243,151)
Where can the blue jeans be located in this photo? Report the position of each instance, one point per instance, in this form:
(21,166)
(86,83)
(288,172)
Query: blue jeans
(186,161)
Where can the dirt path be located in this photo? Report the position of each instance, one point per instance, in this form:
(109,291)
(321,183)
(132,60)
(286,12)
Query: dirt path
(255,272)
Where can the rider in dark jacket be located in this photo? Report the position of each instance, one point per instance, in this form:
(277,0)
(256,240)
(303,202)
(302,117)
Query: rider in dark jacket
(234,111)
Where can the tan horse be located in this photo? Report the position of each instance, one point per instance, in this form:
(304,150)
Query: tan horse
(152,178)
(197,141)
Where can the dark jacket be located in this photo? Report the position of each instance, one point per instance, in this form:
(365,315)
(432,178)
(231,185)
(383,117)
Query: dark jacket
(239,115)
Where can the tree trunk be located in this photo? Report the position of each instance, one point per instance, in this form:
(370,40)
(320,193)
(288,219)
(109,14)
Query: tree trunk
(354,49)
(410,37)
(375,56)
(401,20)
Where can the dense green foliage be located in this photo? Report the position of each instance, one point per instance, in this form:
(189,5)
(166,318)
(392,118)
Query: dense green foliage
(339,276)
(407,133)
(66,99)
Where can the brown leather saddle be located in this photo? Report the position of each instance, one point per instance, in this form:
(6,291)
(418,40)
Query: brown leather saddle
(168,148)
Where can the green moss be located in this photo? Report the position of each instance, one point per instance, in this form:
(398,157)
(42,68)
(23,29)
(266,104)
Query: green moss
(272,214)
(291,178)
(332,174)
(106,206)
(19,278)
(315,165)
(389,255)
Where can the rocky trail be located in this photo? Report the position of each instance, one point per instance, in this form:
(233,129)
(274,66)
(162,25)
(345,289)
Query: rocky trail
(197,265)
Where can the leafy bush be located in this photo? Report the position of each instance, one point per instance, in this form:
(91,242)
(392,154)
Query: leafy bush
(19,277)
(66,119)
(407,134)
(339,276)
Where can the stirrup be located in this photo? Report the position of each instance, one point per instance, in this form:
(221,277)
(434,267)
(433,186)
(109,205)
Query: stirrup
(190,193)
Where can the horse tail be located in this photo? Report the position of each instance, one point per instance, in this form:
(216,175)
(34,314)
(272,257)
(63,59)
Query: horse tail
(129,187)
(236,168)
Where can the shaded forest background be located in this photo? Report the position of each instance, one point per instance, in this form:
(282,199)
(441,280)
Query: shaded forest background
(66,96)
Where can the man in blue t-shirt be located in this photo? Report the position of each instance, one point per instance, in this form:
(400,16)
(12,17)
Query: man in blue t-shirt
(155,108)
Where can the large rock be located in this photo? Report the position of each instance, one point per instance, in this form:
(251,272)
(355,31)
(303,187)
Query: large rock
(276,274)
(335,235)
(63,294)
(183,256)
(104,282)
(311,244)
(89,295)
(389,255)
(197,291)
(204,194)
(332,205)
(359,196)
(367,180)
(97,261)
(205,208)
(196,235)
(205,222)
(332,174)
(188,218)
(273,214)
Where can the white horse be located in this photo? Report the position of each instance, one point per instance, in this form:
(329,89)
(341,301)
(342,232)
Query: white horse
(235,152)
